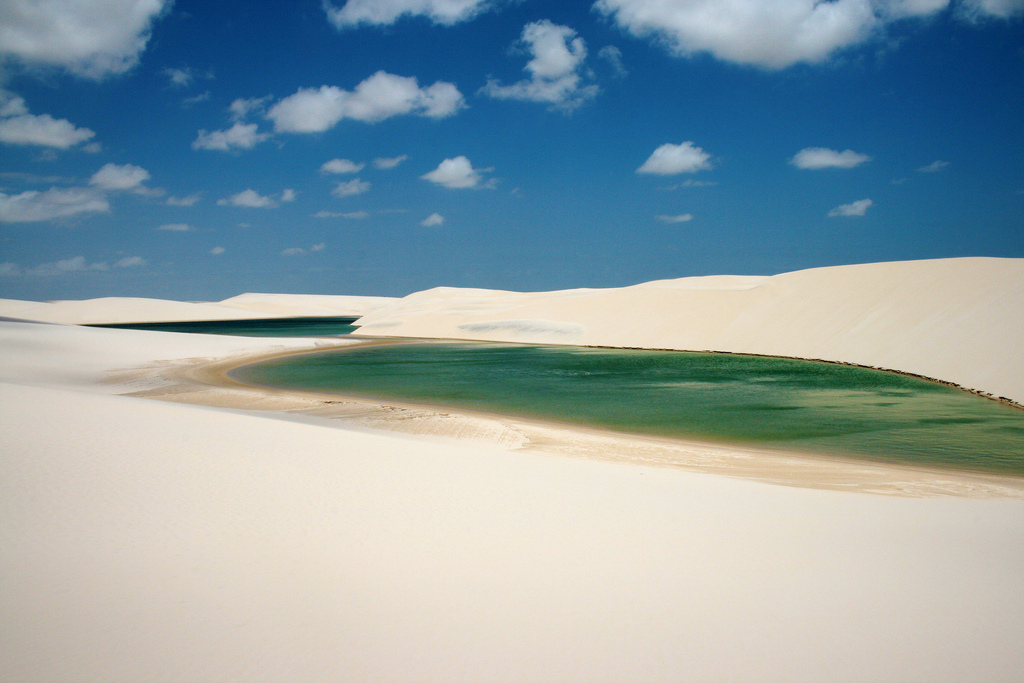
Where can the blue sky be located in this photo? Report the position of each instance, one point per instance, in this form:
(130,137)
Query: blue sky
(199,149)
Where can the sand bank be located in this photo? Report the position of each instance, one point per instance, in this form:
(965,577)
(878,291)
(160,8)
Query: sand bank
(160,540)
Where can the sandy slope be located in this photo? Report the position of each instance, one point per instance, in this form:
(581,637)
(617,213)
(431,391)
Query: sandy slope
(958,320)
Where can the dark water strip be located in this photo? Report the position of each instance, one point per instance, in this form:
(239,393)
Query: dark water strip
(815,407)
(313,326)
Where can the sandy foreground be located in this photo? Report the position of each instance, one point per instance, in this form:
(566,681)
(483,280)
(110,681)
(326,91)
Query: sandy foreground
(237,534)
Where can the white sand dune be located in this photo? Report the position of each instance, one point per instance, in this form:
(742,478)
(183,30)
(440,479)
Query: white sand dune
(160,540)
(138,310)
(957,320)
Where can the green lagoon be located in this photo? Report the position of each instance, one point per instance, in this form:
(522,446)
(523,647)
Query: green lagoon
(769,402)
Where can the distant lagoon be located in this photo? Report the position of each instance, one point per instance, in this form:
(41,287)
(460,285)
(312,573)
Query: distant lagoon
(264,327)
(808,406)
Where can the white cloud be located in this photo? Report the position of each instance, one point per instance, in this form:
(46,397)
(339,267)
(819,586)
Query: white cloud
(183,201)
(250,199)
(857,208)
(690,182)
(238,136)
(356,215)
(768,33)
(385,163)
(1003,9)
(381,96)
(176,227)
(558,55)
(130,262)
(432,220)
(671,159)
(42,130)
(93,38)
(384,12)
(341,166)
(299,251)
(613,56)
(814,158)
(92,148)
(74,264)
(288,195)
(115,177)
(934,167)
(457,173)
(195,99)
(350,188)
(33,206)
(217,251)
(681,218)
(242,107)
(179,77)
(776,34)
(11,104)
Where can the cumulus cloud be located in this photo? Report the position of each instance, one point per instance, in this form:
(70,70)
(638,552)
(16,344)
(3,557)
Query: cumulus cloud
(119,177)
(175,227)
(1002,9)
(381,96)
(934,167)
(183,201)
(681,218)
(558,55)
(457,173)
(217,251)
(356,215)
(130,262)
(33,206)
(772,34)
(351,188)
(814,158)
(11,104)
(42,130)
(299,251)
(288,195)
(857,208)
(384,12)
(249,199)
(613,56)
(238,136)
(93,39)
(671,159)
(74,264)
(242,107)
(340,166)
(432,220)
(179,77)
(385,163)
(19,127)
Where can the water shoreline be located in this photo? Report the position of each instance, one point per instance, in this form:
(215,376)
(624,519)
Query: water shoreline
(764,463)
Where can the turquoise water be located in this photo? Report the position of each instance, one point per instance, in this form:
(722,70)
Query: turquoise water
(270,327)
(809,406)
